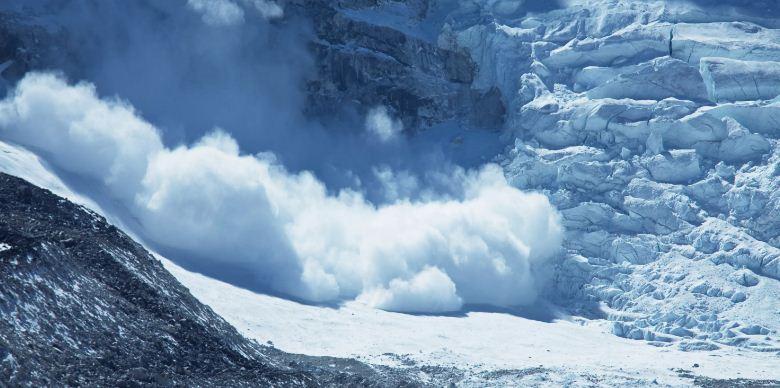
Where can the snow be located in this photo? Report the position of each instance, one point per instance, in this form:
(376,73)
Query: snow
(653,127)
(677,166)
(382,126)
(736,40)
(476,341)
(286,227)
(222,13)
(4,247)
(19,162)
(631,44)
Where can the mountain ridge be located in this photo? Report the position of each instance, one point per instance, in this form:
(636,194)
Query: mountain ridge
(83,304)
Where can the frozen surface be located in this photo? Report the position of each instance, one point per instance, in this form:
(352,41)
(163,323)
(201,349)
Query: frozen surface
(734,80)
(18,161)
(653,127)
(577,350)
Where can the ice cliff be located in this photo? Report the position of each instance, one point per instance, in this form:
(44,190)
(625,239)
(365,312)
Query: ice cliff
(653,126)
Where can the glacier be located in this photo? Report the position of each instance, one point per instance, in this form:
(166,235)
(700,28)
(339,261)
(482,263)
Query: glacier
(653,127)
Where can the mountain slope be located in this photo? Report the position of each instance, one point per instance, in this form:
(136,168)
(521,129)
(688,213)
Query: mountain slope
(91,293)
(479,347)
(83,304)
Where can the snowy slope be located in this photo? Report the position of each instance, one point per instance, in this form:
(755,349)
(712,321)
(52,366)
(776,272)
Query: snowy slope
(19,162)
(84,305)
(574,351)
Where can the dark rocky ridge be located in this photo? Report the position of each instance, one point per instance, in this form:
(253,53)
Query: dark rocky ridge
(367,64)
(82,304)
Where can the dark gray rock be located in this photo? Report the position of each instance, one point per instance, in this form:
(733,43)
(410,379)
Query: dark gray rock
(82,304)
(366,64)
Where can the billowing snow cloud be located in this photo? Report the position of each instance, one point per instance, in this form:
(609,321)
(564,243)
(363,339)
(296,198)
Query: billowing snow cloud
(381,126)
(231,12)
(218,12)
(484,245)
(268,9)
(430,291)
(102,139)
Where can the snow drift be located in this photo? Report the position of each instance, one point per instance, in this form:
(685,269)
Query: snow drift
(488,244)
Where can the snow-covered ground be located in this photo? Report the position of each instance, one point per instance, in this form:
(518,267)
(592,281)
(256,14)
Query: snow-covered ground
(475,341)
(17,161)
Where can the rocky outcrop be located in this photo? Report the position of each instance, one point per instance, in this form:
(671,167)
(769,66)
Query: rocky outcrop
(23,47)
(369,64)
(84,305)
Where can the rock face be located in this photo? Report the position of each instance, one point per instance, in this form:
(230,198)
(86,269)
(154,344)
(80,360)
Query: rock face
(361,61)
(19,49)
(84,305)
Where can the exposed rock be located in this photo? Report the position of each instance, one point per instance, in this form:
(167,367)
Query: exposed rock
(83,304)
(371,64)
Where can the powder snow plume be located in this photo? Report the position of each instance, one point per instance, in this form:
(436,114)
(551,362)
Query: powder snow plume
(487,245)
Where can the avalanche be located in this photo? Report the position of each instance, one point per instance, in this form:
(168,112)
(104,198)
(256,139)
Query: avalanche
(643,136)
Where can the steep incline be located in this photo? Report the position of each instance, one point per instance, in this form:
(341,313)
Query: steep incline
(82,304)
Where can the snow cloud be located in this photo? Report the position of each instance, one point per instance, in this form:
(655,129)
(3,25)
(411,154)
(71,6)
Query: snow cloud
(486,244)
(383,127)
(430,291)
(101,139)
(268,9)
(220,13)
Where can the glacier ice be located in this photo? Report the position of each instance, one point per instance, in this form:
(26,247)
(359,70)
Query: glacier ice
(654,128)
(737,80)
